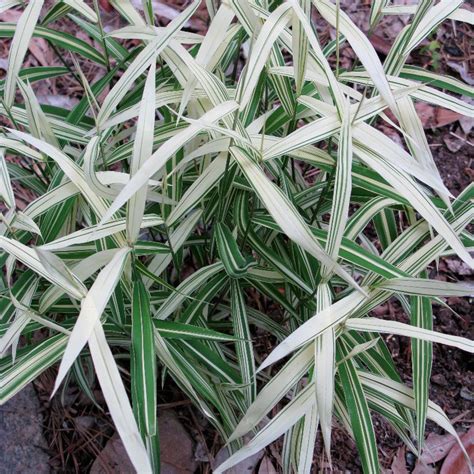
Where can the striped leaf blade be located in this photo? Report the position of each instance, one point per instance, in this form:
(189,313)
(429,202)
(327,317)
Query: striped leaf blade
(357,406)
(23,32)
(92,308)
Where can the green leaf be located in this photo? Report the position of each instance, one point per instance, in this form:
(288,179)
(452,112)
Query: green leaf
(402,329)
(325,369)
(143,362)
(274,429)
(318,324)
(6,190)
(361,46)
(361,422)
(284,213)
(81,7)
(58,38)
(235,264)
(23,32)
(141,62)
(30,258)
(244,349)
(161,156)
(92,307)
(32,361)
(269,33)
(423,287)
(422,354)
(116,398)
(142,150)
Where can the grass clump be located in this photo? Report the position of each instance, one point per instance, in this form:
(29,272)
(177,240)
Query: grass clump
(179,184)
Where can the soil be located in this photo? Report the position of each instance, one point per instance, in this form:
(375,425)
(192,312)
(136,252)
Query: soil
(457,168)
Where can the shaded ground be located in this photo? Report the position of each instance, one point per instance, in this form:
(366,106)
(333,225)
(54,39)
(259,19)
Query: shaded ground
(23,448)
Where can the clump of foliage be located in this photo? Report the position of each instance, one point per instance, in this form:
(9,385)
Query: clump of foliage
(182,183)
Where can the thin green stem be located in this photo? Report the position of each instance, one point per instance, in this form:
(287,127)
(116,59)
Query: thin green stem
(102,35)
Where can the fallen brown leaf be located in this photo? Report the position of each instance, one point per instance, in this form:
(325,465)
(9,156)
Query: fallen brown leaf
(113,458)
(106,5)
(176,450)
(430,116)
(41,51)
(433,117)
(455,462)
(380,44)
(423,469)
(399,465)
(437,447)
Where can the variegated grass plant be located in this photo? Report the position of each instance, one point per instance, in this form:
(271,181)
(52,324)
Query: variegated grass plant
(191,163)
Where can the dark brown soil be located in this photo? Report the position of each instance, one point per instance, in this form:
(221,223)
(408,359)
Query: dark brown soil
(457,169)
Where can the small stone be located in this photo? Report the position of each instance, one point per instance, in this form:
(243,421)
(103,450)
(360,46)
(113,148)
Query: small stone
(176,445)
(411,459)
(466,394)
(22,445)
(85,422)
(453,144)
(200,453)
(439,379)
(467,123)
